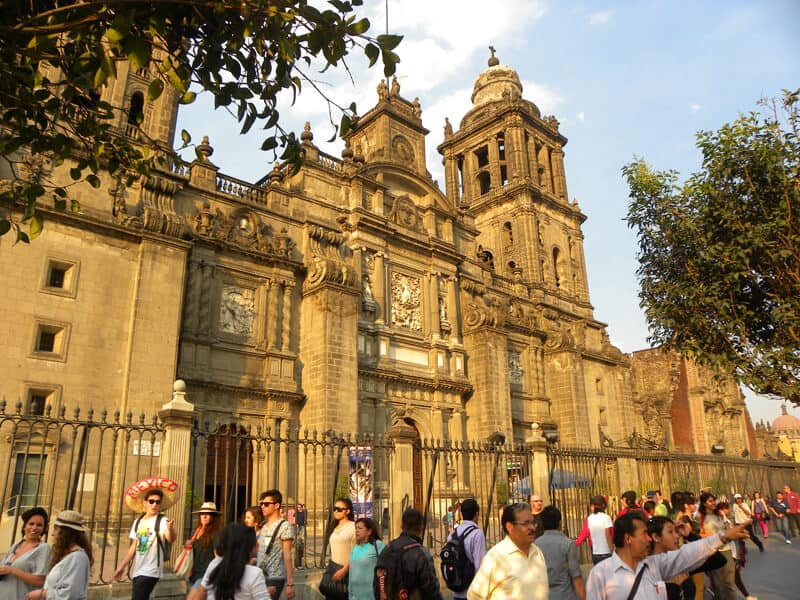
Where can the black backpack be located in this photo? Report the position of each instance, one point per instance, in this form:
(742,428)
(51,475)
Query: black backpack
(457,568)
(388,581)
(164,547)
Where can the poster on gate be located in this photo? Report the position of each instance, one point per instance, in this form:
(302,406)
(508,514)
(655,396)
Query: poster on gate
(361,480)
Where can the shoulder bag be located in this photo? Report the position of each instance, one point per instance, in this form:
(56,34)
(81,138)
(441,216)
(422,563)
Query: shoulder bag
(185,561)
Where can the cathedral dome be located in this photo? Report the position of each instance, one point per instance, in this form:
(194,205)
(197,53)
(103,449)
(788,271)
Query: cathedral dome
(785,421)
(496,82)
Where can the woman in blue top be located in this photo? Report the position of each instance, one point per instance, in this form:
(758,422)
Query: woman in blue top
(363,559)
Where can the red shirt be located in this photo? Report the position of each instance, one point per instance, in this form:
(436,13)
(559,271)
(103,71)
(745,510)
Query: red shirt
(794,501)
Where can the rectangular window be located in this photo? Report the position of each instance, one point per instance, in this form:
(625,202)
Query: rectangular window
(60,277)
(47,340)
(38,398)
(50,341)
(26,487)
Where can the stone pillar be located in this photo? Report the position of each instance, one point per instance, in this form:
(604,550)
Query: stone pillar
(273,323)
(282,460)
(204,316)
(515,152)
(544,161)
(533,159)
(560,177)
(178,418)
(494,164)
(286,319)
(540,472)
(192,297)
(433,304)
(379,290)
(452,308)
(451,178)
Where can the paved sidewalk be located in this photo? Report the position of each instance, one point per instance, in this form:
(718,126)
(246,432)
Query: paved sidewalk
(773,574)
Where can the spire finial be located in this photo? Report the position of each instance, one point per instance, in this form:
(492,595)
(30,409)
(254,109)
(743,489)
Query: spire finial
(493,60)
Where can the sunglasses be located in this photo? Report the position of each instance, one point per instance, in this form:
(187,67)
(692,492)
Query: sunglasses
(153,501)
(268,503)
(339,509)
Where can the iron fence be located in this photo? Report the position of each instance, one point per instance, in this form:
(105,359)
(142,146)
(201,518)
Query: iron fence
(85,461)
(79,461)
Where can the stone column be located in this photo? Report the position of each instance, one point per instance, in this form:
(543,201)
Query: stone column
(204,317)
(379,290)
(433,304)
(282,460)
(540,475)
(494,164)
(560,177)
(533,161)
(273,323)
(178,418)
(286,319)
(192,297)
(451,178)
(452,309)
(547,162)
(515,152)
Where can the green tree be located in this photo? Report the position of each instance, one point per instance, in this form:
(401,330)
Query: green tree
(57,57)
(719,255)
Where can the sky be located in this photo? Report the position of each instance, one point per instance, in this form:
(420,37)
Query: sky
(625,80)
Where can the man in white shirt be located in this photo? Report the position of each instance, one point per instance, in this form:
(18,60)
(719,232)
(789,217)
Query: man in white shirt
(514,568)
(600,524)
(615,578)
(147,551)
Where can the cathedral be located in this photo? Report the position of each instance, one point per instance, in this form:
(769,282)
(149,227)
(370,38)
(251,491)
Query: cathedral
(355,295)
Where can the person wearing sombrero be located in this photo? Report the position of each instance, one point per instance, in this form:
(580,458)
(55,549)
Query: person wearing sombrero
(71,559)
(209,524)
(150,536)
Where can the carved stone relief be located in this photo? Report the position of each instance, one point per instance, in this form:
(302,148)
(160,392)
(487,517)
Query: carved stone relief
(402,150)
(515,372)
(404,213)
(406,302)
(237,310)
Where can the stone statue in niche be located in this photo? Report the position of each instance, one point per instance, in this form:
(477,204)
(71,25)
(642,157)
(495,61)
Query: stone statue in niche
(237,310)
(514,368)
(406,302)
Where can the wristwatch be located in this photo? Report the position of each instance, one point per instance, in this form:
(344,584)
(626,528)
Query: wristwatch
(723,538)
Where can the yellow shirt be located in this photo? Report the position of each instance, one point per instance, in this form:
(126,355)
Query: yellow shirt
(507,574)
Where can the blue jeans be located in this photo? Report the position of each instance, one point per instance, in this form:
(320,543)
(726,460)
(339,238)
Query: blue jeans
(782,525)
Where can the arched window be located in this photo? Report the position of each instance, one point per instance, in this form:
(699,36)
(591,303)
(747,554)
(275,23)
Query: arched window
(135,114)
(556,274)
(508,233)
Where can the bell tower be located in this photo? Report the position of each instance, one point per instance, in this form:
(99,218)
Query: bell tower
(505,166)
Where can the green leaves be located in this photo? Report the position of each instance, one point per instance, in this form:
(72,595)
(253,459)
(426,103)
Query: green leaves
(719,255)
(245,54)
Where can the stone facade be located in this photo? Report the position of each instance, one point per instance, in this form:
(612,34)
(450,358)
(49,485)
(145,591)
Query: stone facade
(353,296)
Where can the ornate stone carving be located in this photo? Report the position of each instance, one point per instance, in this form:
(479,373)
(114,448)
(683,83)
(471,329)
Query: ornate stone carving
(515,372)
(404,213)
(402,149)
(326,259)
(237,310)
(558,334)
(406,302)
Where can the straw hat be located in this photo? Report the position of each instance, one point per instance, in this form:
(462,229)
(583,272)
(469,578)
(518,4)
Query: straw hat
(136,495)
(71,519)
(208,508)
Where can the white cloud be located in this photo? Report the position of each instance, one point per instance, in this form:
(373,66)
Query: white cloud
(695,107)
(543,96)
(581,116)
(600,17)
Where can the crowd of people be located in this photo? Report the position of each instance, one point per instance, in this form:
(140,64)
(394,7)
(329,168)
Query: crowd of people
(654,548)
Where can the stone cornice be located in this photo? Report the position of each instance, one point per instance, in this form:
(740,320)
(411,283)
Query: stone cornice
(435,383)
